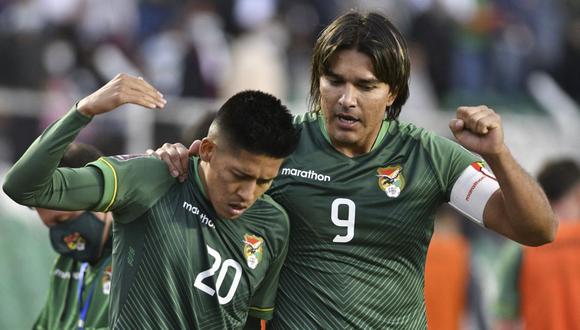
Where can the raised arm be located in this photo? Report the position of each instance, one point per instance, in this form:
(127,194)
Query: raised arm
(518,210)
(35,179)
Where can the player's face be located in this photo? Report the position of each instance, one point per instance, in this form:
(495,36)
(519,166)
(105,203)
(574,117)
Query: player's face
(353,102)
(52,217)
(235,179)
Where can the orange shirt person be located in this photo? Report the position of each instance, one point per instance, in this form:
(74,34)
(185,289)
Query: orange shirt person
(446,274)
(540,287)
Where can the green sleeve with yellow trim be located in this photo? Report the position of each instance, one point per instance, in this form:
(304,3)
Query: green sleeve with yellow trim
(132,184)
(35,180)
(262,302)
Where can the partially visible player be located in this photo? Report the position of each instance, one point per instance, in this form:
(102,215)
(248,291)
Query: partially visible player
(363,187)
(202,254)
(80,281)
(540,286)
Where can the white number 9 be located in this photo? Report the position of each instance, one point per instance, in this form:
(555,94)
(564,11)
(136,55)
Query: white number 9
(348,223)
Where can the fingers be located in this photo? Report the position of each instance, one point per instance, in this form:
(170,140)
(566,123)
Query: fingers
(479,119)
(194,148)
(177,159)
(456,125)
(183,153)
(135,97)
(142,88)
(136,90)
(121,90)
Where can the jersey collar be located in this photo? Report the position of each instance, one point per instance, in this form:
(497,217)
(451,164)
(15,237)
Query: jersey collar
(197,178)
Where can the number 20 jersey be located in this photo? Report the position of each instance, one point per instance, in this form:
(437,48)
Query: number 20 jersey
(177,264)
(361,226)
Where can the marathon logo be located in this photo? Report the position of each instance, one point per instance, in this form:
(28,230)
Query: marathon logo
(204,219)
(310,174)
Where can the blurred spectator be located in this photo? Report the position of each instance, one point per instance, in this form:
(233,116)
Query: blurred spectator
(568,69)
(199,130)
(80,281)
(433,31)
(259,53)
(451,293)
(541,285)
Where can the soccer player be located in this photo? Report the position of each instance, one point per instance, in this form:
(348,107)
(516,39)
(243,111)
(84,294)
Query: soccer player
(540,286)
(80,283)
(202,254)
(362,188)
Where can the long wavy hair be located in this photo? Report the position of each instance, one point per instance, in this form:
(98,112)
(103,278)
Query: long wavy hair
(373,35)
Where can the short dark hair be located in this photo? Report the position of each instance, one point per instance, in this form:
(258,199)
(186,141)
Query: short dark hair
(257,122)
(78,155)
(374,35)
(558,177)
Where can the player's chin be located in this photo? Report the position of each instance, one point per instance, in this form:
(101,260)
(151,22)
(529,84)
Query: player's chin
(346,137)
(233,212)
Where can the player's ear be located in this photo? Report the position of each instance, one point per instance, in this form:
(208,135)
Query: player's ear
(391,98)
(206,149)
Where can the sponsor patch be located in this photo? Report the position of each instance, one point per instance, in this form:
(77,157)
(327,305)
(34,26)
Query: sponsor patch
(391,180)
(253,250)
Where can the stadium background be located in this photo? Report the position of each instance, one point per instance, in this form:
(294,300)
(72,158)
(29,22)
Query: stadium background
(518,56)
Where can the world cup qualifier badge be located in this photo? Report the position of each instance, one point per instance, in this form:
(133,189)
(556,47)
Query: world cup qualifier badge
(253,250)
(391,180)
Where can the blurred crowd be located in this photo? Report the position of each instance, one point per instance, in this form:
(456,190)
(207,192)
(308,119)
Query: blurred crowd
(471,51)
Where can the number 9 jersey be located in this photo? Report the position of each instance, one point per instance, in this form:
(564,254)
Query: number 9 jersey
(361,226)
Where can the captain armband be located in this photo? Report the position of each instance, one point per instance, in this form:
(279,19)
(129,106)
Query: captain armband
(472,190)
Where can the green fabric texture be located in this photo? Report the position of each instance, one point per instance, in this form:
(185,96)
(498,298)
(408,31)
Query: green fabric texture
(177,265)
(360,227)
(508,300)
(62,310)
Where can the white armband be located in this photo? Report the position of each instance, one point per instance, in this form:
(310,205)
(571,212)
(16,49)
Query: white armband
(472,190)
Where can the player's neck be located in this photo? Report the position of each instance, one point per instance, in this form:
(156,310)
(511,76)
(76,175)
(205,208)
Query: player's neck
(202,180)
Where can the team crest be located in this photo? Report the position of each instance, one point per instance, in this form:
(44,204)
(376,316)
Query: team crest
(75,241)
(253,250)
(106,280)
(480,167)
(391,180)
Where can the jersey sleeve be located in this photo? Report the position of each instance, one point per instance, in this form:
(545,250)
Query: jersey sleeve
(448,160)
(131,184)
(35,179)
(262,303)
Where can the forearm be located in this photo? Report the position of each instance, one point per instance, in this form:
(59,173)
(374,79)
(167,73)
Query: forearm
(35,180)
(520,210)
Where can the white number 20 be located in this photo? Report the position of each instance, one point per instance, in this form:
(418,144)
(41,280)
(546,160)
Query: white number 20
(217,262)
(347,223)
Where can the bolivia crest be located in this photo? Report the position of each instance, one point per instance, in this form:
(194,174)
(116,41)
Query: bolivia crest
(253,250)
(391,180)
(75,241)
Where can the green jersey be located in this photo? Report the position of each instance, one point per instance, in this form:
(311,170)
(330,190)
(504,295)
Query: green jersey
(177,265)
(360,227)
(63,308)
